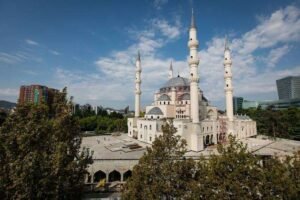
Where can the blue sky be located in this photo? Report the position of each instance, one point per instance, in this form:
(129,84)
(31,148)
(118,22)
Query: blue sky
(90,46)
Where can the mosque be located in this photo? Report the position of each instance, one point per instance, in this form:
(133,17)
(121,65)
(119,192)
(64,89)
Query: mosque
(180,99)
(198,122)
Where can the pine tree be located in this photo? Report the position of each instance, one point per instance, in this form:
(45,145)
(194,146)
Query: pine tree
(39,151)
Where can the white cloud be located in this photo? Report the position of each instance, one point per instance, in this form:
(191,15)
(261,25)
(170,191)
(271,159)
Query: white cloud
(31,42)
(282,27)
(276,54)
(114,82)
(56,53)
(18,57)
(8,92)
(167,29)
(159,3)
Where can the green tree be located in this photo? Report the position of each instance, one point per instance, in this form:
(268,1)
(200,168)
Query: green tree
(3,116)
(235,173)
(163,172)
(39,151)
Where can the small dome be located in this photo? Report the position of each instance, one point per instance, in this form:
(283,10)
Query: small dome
(177,81)
(164,97)
(185,96)
(155,111)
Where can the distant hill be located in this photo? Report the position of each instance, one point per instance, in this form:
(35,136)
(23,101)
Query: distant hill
(7,105)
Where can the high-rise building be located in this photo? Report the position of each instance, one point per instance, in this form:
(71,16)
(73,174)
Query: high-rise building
(288,87)
(36,94)
(237,103)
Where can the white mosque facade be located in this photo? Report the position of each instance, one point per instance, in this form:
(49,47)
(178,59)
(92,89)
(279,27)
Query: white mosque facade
(180,99)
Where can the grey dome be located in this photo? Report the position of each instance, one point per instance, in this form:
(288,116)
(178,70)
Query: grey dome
(177,81)
(185,96)
(164,97)
(155,111)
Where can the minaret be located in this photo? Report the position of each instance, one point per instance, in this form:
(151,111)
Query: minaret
(171,71)
(228,82)
(138,82)
(193,63)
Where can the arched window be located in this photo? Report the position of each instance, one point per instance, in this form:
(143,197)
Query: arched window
(99,175)
(126,175)
(114,176)
(150,127)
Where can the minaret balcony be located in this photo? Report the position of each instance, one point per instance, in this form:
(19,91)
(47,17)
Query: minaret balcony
(138,81)
(193,43)
(193,61)
(139,70)
(227,62)
(138,92)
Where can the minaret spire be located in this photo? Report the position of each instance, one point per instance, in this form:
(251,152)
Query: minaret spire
(226,44)
(171,71)
(138,82)
(138,56)
(193,63)
(193,19)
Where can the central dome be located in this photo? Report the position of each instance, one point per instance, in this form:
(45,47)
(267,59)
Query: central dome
(177,81)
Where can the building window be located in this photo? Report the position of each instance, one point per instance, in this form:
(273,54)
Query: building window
(150,139)
(141,126)
(186,102)
(150,127)
(130,124)
(191,56)
(141,136)
(226,85)
(129,132)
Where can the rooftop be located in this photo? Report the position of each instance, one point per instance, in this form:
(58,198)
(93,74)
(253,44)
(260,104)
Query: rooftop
(126,148)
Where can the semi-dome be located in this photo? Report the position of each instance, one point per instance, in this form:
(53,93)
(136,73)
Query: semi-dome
(177,81)
(155,111)
(185,96)
(164,97)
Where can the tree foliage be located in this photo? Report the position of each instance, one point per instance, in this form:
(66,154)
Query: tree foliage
(233,173)
(163,172)
(236,173)
(3,116)
(39,153)
(276,123)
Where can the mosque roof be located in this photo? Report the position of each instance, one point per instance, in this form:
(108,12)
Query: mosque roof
(177,81)
(185,96)
(155,111)
(164,97)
